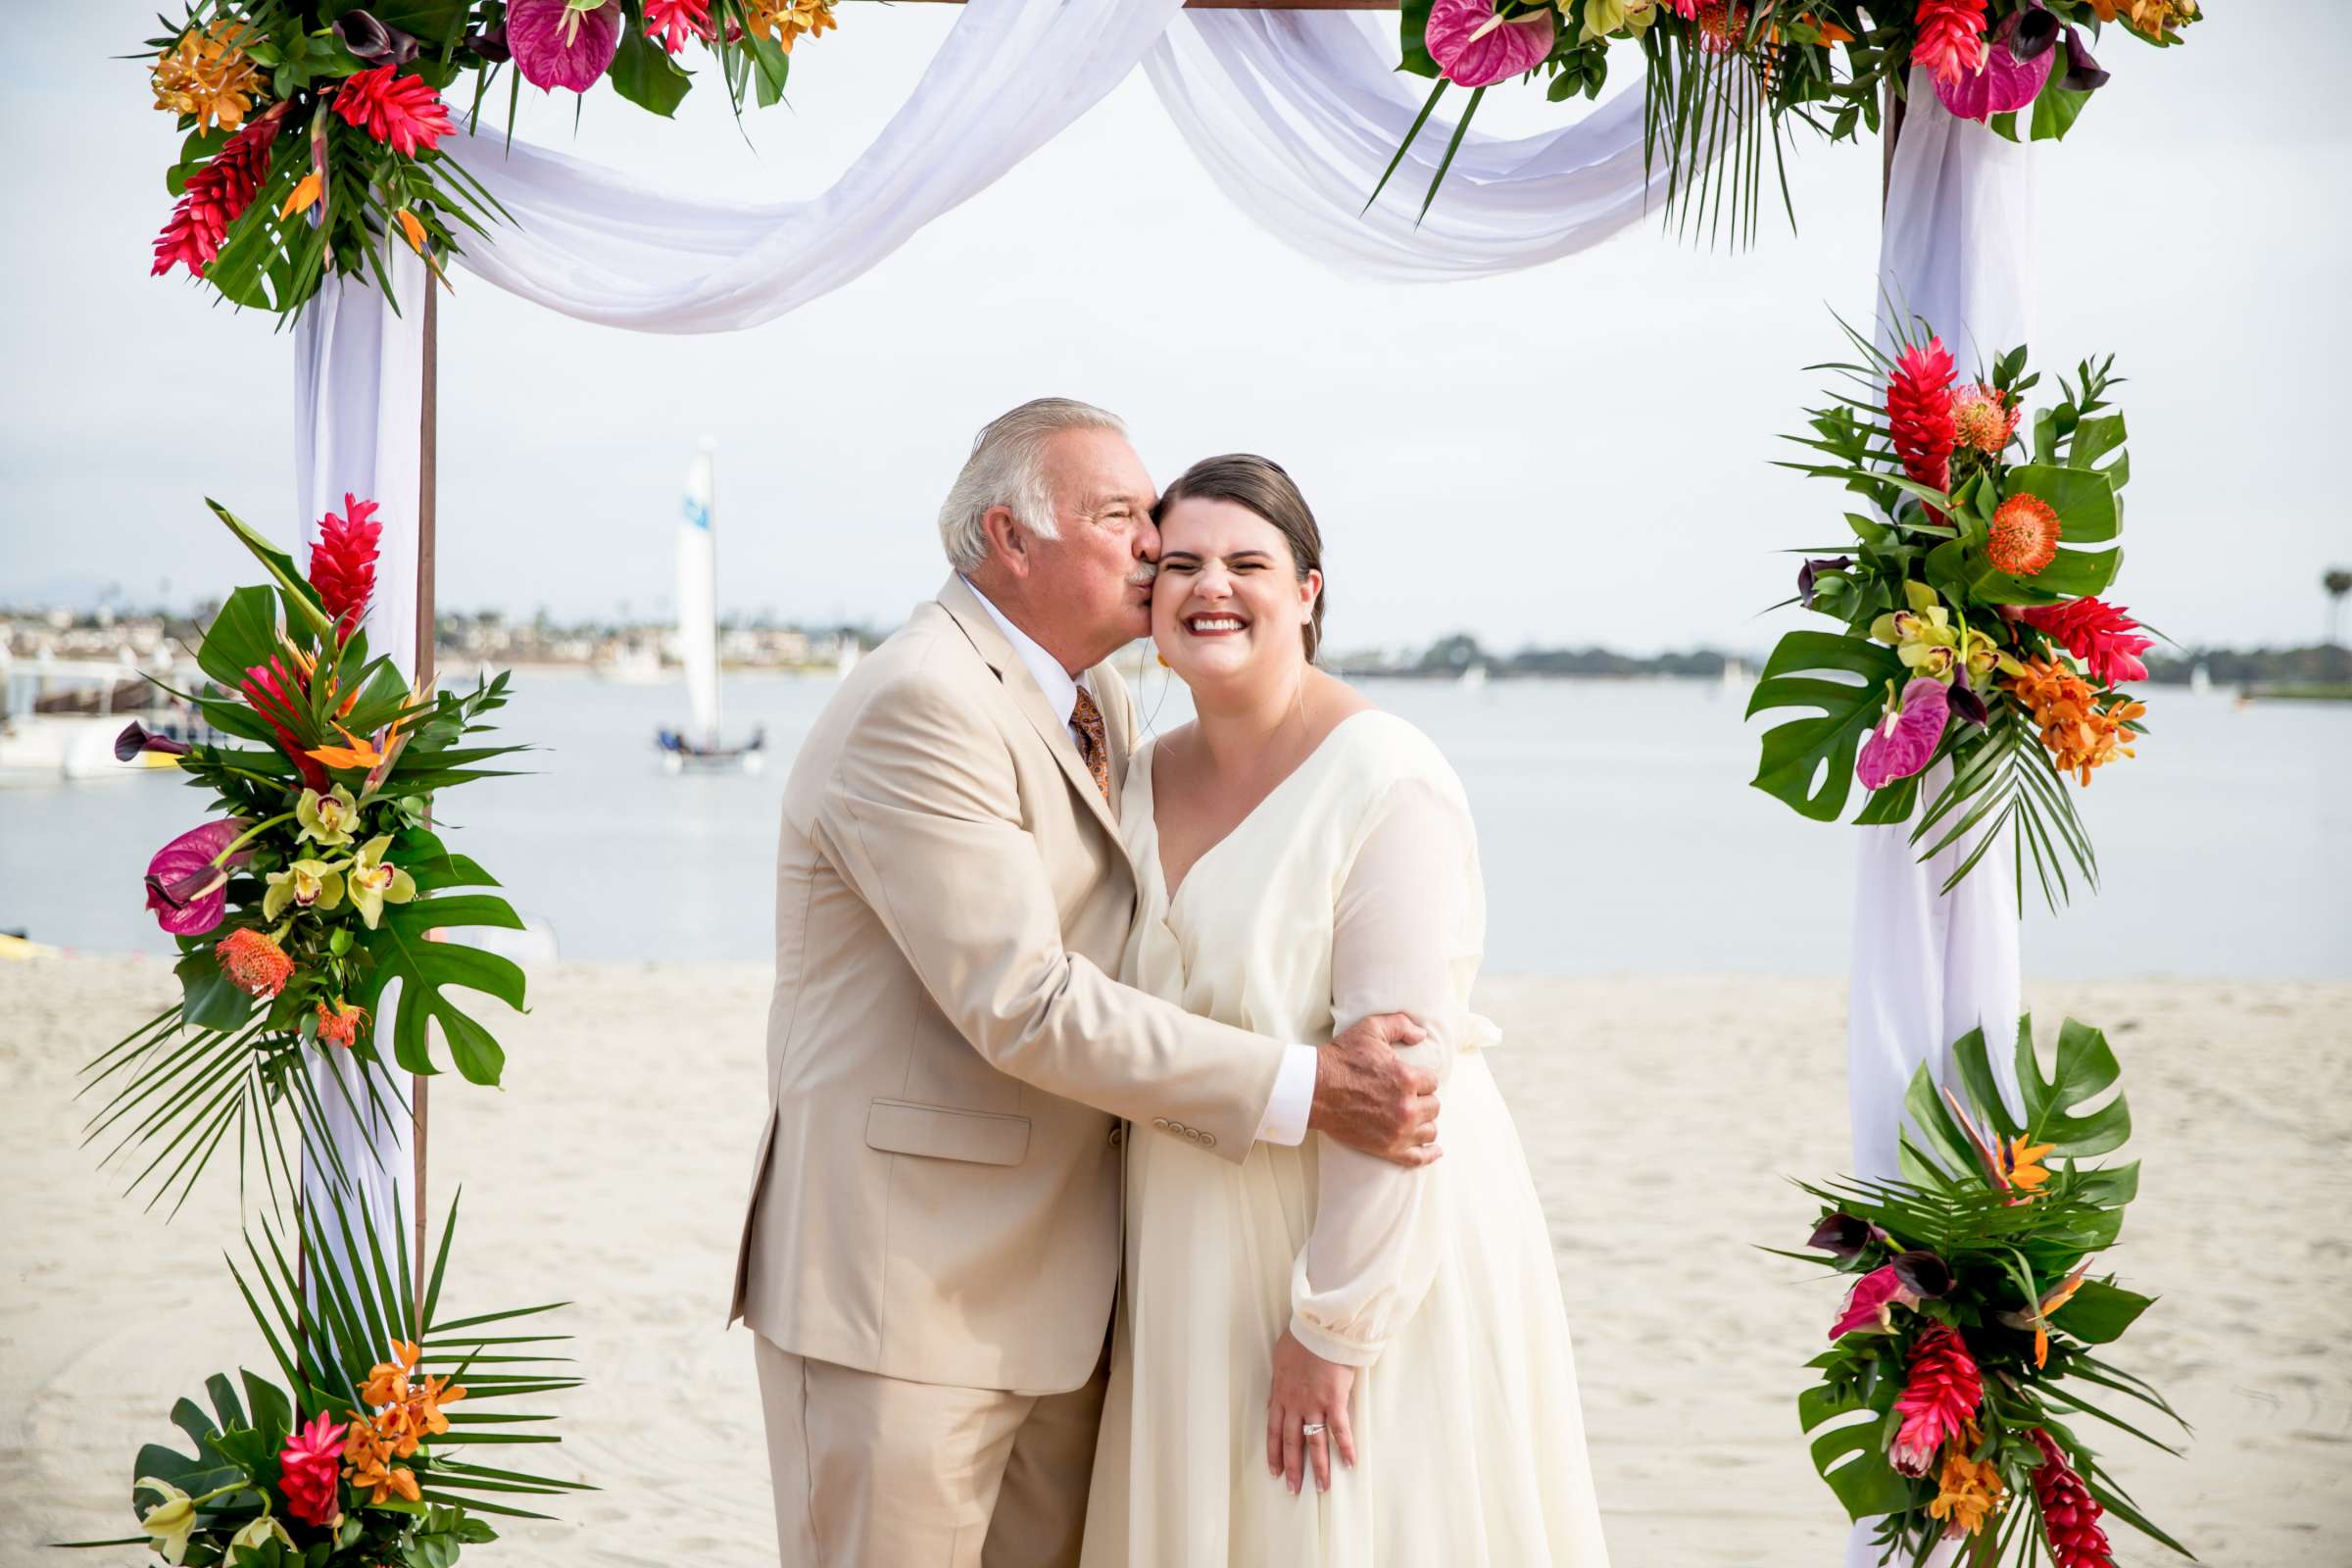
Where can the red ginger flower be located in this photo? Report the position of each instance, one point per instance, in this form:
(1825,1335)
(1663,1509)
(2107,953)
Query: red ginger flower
(1951,39)
(2024,537)
(1919,413)
(343,562)
(1942,1393)
(253,964)
(2099,634)
(217,196)
(670,23)
(2070,1514)
(307,1471)
(403,111)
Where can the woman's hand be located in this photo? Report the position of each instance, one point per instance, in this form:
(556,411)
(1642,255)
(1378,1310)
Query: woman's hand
(1309,1392)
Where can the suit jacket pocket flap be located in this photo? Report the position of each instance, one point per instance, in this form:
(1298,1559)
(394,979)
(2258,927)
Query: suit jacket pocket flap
(903,1127)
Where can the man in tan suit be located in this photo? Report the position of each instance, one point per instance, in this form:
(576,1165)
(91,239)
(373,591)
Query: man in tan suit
(933,1245)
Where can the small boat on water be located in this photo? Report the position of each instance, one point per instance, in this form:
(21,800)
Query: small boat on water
(59,717)
(698,747)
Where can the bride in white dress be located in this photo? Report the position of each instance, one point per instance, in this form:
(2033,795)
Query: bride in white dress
(1321,1358)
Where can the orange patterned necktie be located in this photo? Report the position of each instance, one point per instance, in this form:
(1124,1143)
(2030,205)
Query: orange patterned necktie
(1086,723)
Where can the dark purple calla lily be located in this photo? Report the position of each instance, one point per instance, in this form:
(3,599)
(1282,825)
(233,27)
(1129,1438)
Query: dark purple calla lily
(2083,74)
(2031,32)
(1842,1235)
(1966,703)
(490,42)
(137,737)
(373,41)
(1810,572)
(188,892)
(1923,1274)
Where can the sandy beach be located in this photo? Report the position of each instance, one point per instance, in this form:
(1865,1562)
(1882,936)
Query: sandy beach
(1660,1113)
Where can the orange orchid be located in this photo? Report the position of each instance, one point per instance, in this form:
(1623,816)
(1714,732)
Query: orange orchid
(368,1461)
(340,1022)
(1968,1490)
(2079,733)
(388,1381)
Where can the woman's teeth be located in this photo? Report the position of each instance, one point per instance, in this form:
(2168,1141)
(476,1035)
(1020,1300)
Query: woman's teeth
(1214,623)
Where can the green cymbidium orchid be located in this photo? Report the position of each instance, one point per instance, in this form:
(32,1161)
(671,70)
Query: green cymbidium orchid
(327,821)
(1923,637)
(261,1529)
(169,1522)
(307,884)
(375,884)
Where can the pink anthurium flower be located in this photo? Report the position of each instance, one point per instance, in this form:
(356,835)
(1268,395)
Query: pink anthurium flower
(1476,47)
(2005,85)
(1870,1306)
(185,888)
(564,43)
(1906,737)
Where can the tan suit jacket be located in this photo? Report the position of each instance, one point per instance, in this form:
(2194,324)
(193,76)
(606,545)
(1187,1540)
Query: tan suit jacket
(936,1197)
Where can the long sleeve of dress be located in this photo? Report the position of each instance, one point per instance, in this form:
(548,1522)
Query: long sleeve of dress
(1407,938)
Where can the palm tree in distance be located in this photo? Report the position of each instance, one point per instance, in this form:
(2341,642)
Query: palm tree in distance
(2338,582)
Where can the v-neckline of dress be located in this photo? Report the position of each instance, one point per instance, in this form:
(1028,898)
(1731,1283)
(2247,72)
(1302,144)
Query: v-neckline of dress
(1159,864)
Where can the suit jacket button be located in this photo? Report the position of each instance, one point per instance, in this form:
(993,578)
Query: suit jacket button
(1208,1139)
(1160,1122)
(1118,1133)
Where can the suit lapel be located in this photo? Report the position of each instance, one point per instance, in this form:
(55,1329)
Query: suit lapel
(965,606)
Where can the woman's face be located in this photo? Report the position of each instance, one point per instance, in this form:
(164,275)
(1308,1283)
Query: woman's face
(1228,606)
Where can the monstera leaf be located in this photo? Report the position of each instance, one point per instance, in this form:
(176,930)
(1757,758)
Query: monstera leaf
(1850,1454)
(1809,762)
(1937,1148)
(406,952)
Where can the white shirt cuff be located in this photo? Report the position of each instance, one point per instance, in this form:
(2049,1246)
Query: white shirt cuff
(1294,1097)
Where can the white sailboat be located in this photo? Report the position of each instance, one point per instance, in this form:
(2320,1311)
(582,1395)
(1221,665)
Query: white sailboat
(699,745)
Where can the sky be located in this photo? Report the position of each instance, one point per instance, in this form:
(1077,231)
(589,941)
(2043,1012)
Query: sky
(1575,454)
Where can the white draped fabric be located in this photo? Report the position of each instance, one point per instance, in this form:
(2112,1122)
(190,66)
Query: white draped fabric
(1295,115)
(610,249)
(357,396)
(1958,253)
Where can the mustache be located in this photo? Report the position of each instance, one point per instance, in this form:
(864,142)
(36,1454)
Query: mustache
(1143,575)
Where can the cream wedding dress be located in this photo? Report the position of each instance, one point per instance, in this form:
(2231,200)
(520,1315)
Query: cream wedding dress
(1351,889)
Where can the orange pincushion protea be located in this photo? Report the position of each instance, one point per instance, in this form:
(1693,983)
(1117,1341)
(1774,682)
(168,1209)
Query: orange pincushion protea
(253,964)
(2024,537)
(1983,419)
(2077,732)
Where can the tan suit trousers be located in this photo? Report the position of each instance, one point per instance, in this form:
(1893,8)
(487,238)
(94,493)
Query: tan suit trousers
(876,1472)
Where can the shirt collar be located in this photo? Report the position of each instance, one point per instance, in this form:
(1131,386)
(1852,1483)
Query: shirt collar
(1062,691)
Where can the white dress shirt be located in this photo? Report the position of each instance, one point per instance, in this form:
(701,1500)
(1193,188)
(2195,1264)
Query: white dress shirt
(1284,1120)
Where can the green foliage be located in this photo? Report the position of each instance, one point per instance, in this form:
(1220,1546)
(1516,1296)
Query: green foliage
(1809,762)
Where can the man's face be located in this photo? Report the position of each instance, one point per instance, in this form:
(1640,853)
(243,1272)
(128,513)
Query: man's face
(1095,581)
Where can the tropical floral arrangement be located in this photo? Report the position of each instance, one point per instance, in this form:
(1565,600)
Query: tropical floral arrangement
(312,906)
(1974,1336)
(356,1457)
(313,128)
(1972,630)
(1719,68)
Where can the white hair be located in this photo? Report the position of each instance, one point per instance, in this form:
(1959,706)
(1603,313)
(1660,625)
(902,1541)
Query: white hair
(1007,469)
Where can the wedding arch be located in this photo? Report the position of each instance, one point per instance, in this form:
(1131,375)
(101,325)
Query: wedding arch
(1298,113)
